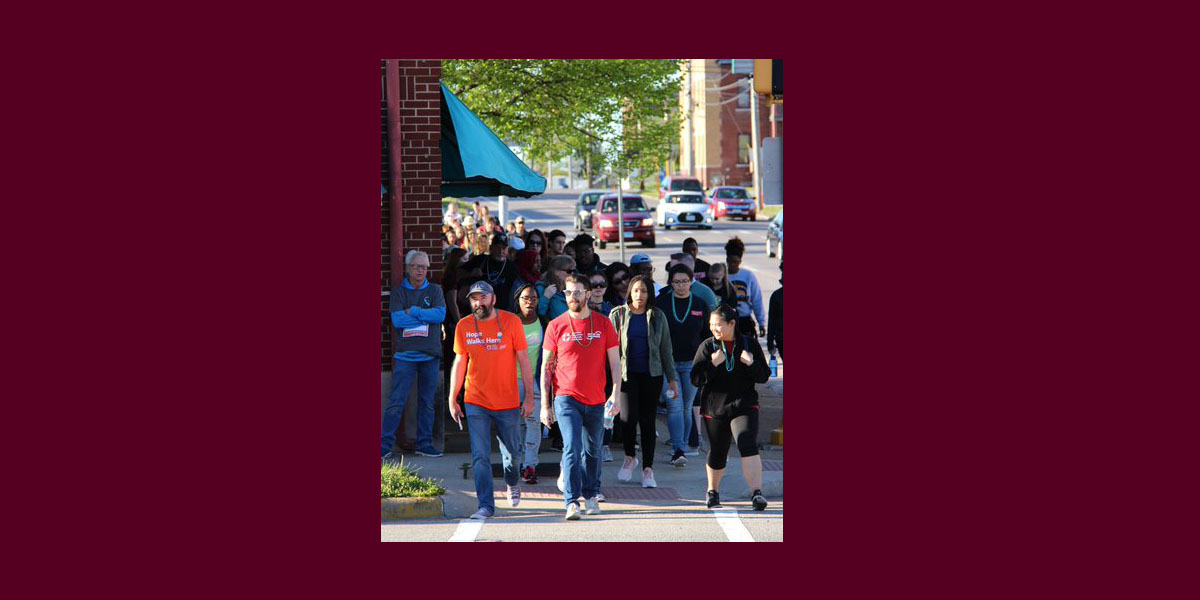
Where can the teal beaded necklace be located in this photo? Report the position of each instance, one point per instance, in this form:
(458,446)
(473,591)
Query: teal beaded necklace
(729,358)
(685,313)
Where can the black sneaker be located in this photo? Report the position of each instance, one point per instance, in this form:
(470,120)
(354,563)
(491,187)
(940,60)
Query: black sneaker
(678,459)
(714,499)
(757,499)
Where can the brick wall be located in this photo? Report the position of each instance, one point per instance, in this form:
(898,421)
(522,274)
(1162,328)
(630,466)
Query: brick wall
(735,121)
(420,178)
(385,241)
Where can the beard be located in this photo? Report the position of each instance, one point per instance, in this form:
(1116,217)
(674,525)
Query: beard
(575,305)
(482,312)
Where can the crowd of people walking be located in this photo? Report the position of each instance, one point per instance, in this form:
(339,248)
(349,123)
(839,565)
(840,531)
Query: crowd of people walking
(545,340)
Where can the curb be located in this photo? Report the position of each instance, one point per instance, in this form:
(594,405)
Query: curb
(409,508)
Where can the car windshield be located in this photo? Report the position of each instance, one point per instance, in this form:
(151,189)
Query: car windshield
(736,193)
(589,200)
(685,199)
(633,203)
(686,185)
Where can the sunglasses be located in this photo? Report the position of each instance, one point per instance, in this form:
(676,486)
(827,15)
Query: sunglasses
(599,284)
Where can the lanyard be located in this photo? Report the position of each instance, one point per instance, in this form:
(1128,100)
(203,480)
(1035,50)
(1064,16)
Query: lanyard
(590,330)
(499,334)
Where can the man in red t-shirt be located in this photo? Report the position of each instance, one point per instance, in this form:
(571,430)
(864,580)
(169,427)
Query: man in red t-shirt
(576,345)
(489,344)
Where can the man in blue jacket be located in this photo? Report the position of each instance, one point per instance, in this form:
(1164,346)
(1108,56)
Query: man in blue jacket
(418,309)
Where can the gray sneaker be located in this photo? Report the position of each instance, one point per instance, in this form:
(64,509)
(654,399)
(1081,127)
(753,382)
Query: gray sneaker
(606,454)
(591,506)
(514,495)
(482,513)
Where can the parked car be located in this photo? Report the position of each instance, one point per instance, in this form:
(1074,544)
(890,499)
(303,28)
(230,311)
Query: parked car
(639,224)
(584,207)
(684,208)
(775,236)
(679,183)
(732,201)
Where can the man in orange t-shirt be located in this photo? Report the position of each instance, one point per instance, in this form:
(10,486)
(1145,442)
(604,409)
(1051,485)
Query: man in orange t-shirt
(489,344)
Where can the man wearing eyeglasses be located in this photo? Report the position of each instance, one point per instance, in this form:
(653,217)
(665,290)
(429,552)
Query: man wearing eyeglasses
(418,308)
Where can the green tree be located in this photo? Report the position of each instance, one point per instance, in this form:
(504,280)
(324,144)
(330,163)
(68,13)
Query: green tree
(624,109)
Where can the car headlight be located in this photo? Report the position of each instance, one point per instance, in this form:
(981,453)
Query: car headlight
(670,219)
(721,204)
(606,223)
(647,222)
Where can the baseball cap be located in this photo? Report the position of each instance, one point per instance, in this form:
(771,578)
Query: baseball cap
(499,238)
(516,243)
(480,287)
(639,258)
(520,219)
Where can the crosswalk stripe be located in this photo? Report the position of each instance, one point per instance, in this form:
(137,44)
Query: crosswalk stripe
(467,530)
(735,530)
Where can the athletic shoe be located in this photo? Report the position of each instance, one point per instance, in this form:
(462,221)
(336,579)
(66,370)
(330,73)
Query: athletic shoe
(529,475)
(428,451)
(514,495)
(482,513)
(714,499)
(605,454)
(626,471)
(391,457)
(591,507)
(561,487)
(600,497)
(648,478)
(678,459)
(572,512)
(692,451)
(757,499)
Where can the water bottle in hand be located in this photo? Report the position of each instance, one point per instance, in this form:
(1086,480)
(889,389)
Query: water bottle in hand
(774,366)
(608,416)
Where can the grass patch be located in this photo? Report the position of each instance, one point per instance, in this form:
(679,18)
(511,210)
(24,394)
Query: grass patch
(464,207)
(400,481)
(771,210)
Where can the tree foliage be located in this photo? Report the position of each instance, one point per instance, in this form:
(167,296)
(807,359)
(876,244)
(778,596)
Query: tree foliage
(623,111)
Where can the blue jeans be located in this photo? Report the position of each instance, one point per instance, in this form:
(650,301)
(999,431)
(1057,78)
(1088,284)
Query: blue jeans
(679,409)
(582,428)
(479,426)
(531,430)
(403,373)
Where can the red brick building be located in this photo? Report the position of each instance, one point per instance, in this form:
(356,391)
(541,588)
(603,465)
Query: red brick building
(715,143)
(411,174)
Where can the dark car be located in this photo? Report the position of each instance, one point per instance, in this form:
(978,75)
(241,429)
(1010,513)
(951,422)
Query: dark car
(732,201)
(639,222)
(775,236)
(584,207)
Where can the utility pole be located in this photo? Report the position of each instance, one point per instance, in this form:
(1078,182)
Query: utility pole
(755,144)
(690,146)
(621,219)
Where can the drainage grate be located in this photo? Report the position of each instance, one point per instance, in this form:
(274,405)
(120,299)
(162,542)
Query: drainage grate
(772,465)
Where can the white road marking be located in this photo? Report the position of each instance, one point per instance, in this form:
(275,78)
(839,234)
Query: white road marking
(729,521)
(467,530)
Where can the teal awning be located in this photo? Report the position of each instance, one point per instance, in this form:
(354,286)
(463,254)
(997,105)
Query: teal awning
(475,162)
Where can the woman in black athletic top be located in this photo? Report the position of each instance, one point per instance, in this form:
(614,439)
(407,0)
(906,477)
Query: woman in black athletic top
(727,366)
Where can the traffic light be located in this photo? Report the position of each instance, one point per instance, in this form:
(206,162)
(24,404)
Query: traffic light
(768,77)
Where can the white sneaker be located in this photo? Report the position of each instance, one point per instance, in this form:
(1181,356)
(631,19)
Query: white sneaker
(482,513)
(561,486)
(572,512)
(606,454)
(626,471)
(648,478)
(591,506)
(514,495)
(600,497)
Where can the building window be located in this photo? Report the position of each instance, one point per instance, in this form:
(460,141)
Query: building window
(743,149)
(743,92)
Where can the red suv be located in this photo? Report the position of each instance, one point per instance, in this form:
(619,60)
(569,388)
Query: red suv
(679,183)
(639,223)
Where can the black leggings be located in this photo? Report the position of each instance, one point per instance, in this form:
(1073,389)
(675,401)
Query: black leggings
(722,431)
(639,405)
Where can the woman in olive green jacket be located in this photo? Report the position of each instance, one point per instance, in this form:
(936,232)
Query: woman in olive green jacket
(646,356)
